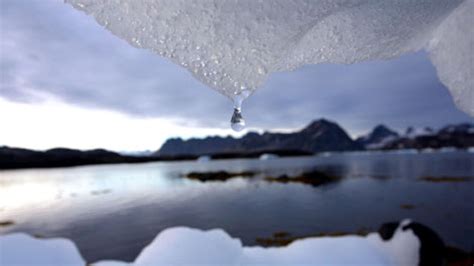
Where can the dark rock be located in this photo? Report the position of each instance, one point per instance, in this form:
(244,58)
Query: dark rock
(432,246)
(217,176)
(6,223)
(432,249)
(313,178)
(387,230)
(15,158)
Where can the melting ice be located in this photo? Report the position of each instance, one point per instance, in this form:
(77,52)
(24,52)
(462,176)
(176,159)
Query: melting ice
(232,46)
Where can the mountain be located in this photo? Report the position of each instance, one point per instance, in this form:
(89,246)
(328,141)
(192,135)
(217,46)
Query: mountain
(319,136)
(457,136)
(13,158)
(412,132)
(377,138)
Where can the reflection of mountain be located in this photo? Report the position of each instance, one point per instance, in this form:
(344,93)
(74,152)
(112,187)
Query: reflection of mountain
(319,136)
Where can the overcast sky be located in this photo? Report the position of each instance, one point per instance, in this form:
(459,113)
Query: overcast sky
(66,81)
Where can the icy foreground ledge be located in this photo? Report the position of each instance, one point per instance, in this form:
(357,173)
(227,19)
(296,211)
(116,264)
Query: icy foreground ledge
(233,46)
(22,249)
(186,246)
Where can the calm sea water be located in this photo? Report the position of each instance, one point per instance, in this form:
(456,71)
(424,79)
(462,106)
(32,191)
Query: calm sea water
(113,211)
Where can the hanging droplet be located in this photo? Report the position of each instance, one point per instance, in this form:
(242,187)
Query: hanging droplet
(237,122)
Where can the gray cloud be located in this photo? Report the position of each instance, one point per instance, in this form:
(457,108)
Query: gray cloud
(48,47)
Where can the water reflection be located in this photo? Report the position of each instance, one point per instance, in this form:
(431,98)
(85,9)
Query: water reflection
(123,207)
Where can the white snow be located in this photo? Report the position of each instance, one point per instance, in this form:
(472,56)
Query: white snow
(381,143)
(186,246)
(402,249)
(203,158)
(22,249)
(233,46)
(414,132)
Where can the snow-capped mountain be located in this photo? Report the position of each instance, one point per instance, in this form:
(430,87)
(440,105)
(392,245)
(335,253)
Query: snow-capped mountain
(456,136)
(413,132)
(383,138)
(378,137)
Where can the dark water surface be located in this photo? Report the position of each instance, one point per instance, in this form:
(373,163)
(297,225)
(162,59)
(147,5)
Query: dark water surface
(113,211)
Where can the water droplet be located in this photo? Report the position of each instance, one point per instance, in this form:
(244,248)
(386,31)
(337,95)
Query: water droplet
(237,122)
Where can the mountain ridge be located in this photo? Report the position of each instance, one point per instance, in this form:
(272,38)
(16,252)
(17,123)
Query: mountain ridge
(318,136)
(323,135)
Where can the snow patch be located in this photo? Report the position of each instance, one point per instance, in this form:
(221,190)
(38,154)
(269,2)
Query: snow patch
(23,249)
(186,246)
(413,132)
(381,143)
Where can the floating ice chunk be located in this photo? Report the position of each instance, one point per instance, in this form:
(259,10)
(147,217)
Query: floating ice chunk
(267,156)
(203,158)
(233,46)
(22,249)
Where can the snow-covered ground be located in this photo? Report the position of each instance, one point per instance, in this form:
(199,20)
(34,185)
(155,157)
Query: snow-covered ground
(22,249)
(187,246)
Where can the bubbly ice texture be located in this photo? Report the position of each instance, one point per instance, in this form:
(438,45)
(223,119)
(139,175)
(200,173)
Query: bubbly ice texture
(187,246)
(233,45)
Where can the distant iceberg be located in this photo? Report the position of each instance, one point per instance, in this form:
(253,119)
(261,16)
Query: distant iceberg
(267,156)
(203,158)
